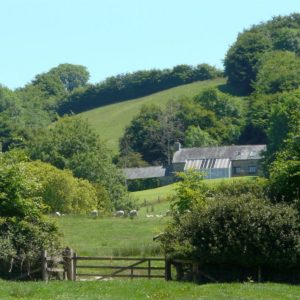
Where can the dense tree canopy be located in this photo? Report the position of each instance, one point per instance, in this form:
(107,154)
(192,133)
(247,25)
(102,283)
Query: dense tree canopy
(71,143)
(242,59)
(211,118)
(278,71)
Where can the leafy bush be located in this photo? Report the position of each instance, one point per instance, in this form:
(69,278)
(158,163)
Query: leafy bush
(24,231)
(236,188)
(72,144)
(241,231)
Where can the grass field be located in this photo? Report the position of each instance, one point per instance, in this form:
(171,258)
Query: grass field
(152,195)
(111,120)
(145,289)
(112,236)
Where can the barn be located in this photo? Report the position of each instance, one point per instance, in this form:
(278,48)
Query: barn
(214,162)
(220,161)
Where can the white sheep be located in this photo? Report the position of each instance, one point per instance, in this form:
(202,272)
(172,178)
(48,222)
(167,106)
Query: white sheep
(119,213)
(94,213)
(133,213)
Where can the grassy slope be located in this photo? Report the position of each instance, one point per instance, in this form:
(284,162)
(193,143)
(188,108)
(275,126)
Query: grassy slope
(122,236)
(152,195)
(111,120)
(145,289)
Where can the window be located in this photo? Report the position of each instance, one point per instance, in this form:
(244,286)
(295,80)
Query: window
(252,169)
(237,170)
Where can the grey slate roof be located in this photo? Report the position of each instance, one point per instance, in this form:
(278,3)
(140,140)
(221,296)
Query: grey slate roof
(232,152)
(146,172)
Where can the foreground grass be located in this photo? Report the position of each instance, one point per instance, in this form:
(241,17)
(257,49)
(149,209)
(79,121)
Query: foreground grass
(112,236)
(110,121)
(145,289)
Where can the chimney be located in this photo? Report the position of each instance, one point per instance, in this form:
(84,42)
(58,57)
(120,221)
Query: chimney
(177,146)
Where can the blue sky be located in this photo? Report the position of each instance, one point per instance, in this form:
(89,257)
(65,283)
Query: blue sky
(110,37)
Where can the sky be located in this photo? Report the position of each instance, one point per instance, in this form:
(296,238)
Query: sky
(111,37)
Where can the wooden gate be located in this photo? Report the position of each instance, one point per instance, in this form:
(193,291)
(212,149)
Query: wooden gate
(129,267)
(98,268)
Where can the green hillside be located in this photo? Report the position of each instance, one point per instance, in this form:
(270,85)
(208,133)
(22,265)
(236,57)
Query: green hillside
(110,120)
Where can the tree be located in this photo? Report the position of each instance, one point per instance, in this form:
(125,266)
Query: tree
(24,231)
(71,144)
(190,192)
(196,137)
(71,76)
(243,56)
(278,71)
(153,133)
(61,191)
(287,39)
(285,170)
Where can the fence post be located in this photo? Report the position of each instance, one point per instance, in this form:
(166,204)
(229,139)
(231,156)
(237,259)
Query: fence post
(44,266)
(168,275)
(74,265)
(68,258)
(259,274)
(195,271)
(149,268)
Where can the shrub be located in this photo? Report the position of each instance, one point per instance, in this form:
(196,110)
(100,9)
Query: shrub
(24,231)
(244,232)
(236,188)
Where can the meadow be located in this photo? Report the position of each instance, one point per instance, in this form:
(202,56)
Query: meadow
(145,289)
(111,236)
(110,121)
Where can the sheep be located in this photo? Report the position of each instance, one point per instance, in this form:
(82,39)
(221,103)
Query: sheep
(133,213)
(149,216)
(94,213)
(119,213)
(57,214)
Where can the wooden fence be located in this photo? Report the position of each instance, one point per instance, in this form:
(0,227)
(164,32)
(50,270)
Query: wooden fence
(75,267)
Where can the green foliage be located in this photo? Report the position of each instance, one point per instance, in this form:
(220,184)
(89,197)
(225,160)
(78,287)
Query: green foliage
(244,232)
(278,71)
(61,191)
(153,133)
(24,231)
(132,85)
(71,76)
(111,120)
(196,137)
(285,170)
(209,119)
(70,143)
(220,103)
(190,192)
(143,184)
(237,188)
(243,57)
(130,159)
